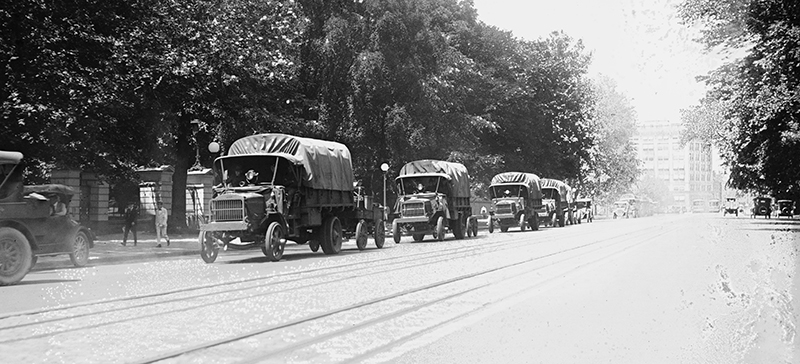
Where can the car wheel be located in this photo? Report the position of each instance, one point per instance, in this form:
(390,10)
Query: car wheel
(16,257)
(80,249)
(208,250)
(273,242)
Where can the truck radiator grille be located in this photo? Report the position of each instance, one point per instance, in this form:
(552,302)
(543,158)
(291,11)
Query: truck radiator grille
(413,209)
(505,209)
(228,210)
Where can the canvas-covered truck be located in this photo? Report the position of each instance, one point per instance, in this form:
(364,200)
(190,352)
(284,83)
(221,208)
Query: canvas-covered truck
(34,222)
(555,200)
(274,187)
(433,197)
(516,196)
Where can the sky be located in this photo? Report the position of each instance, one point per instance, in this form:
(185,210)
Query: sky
(641,44)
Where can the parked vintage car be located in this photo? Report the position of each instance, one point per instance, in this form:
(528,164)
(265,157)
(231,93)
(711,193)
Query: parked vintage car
(762,206)
(274,187)
(785,208)
(433,198)
(556,204)
(731,207)
(34,222)
(584,210)
(516,196)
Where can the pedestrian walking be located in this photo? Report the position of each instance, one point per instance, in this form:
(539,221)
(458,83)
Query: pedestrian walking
(131,214)
(161,223)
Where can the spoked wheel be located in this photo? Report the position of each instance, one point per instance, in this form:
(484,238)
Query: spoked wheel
(396,232)
(361,235)
(16,257)
(380,234)
(331,236)
(521,222)
(274,243)
(440,228)
(80,249)
(208,250)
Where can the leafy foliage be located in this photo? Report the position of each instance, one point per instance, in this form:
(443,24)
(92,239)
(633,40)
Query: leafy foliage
(752,111)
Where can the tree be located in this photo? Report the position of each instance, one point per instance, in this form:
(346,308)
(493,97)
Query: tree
(753,100)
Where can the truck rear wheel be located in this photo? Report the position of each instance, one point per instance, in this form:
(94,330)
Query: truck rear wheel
(16,256)
(459,227)
(331,235)
(380,234)
(361,235)
(418,237)
(534,222)
(273,242)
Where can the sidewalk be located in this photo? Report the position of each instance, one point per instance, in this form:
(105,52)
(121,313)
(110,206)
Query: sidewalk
(109,249)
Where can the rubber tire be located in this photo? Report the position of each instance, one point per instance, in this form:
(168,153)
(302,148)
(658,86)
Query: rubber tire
(361,235)
(14,246)
(440,228)
(208,252)
(418,237)
(313,245)
(475,228)
(503,228)
(380,234)
(332,236)
(80,249)
(521,222)
(274,244)
(396,232)
(459,227)
(491,225)
(534,223)
(561,221)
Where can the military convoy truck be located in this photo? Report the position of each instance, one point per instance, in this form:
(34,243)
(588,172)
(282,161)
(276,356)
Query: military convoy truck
(34,222)
(433,198)
(294,188)
(516,198)
(557,207)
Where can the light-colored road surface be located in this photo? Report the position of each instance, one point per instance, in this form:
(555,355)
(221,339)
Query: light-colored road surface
(666,289)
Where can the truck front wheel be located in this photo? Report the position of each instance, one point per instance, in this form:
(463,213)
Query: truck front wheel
(396,232)
(16,256)
(273,242)
(380,234)
(440,228)
(208,250)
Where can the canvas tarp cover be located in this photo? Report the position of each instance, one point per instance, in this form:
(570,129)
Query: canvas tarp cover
(459,177)
(10,157)
(530,180)
(558,185)
(327,164)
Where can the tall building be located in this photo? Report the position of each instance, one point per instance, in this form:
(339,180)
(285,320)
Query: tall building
(686,170)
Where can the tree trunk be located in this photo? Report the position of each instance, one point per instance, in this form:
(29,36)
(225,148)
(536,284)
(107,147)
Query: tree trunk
(184,157)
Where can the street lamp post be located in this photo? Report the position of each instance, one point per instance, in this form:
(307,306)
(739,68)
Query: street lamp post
(384,168)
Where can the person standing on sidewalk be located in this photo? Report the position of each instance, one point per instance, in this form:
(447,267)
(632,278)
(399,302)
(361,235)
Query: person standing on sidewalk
(161,223)
(131,214)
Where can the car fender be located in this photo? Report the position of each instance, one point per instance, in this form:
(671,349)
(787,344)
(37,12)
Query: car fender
(23,229)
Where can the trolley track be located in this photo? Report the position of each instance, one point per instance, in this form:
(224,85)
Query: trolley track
(444,254)
(271,353)
(439,255)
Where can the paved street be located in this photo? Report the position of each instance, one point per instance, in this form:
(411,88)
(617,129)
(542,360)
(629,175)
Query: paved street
(664,289)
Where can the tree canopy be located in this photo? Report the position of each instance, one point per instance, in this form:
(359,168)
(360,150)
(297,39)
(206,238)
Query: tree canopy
(752,109)
(145,82)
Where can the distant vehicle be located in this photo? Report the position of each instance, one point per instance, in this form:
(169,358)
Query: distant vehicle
(762,206)
(786,208)
(699,206)
(622,209)
(34,222)
(516,197)
(295,188)
(584,207)
(556,206)
(434,197)
(731,207)
(713,206)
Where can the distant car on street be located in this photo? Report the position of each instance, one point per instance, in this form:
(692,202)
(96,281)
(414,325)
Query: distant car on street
(786,208)
(34,221)
(762,206)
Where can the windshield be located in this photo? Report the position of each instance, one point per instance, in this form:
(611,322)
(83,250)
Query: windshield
(500,191)
(423,184)
(550,193)
(249,170)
